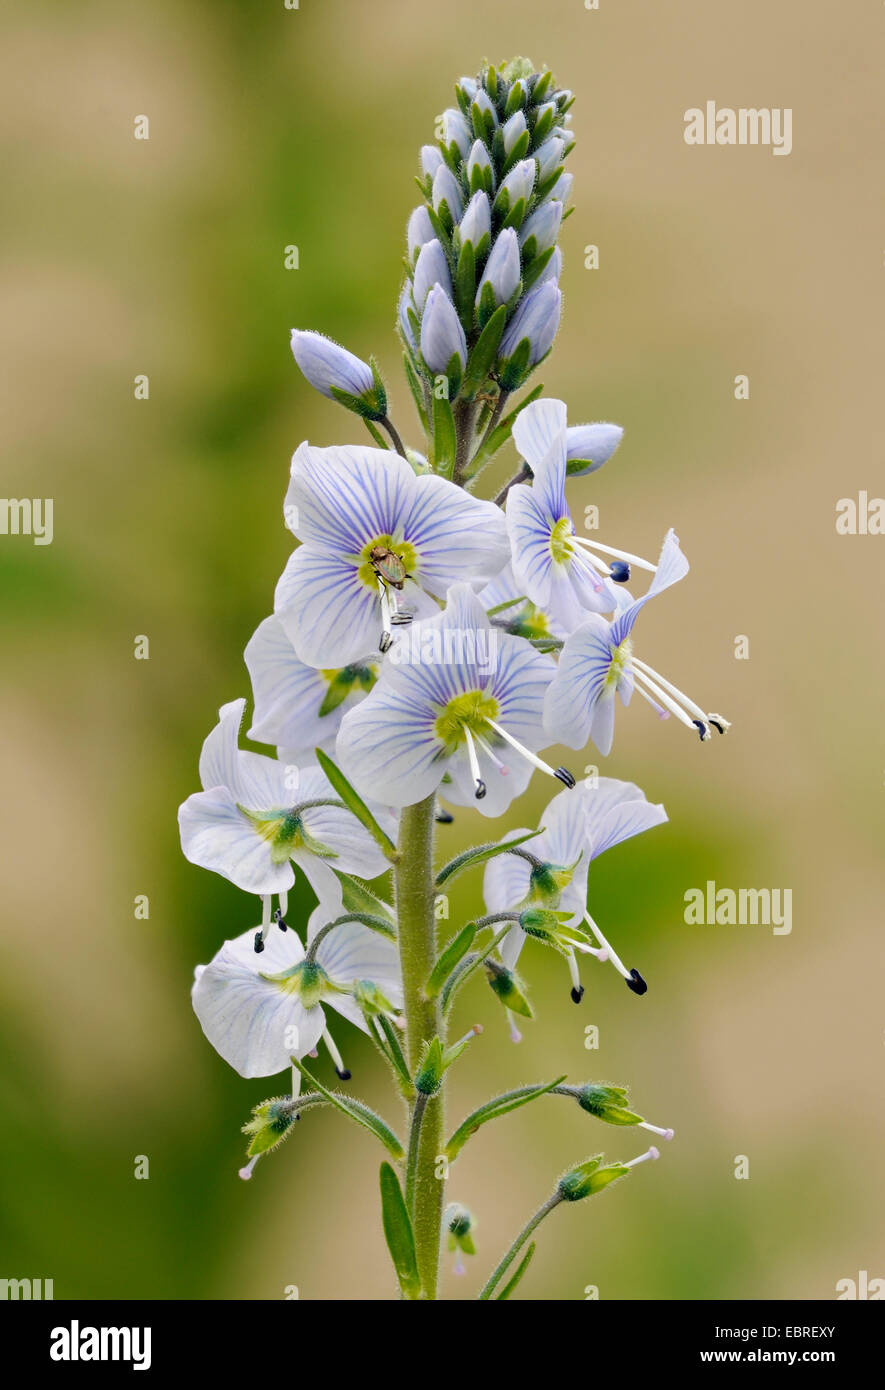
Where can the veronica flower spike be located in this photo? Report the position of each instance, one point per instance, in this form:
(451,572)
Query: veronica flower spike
(257,816)
(371,531)
(457,702)
(260,1011)
(558,570)
(551,870)
(597,663)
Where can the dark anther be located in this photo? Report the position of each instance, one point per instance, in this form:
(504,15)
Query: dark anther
(401,619)
(619,571)
(443,817)
(480,790)
(636,983)
(702,729)
(384,643)
(564,776)
(343,1075)
(278,918)
(259,942)
(719,724)
(577,995)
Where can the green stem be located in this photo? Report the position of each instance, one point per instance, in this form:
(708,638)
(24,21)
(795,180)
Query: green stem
(398,444)
(471,963)
(465,420)
(531,1225)
(522,476)
(415,899)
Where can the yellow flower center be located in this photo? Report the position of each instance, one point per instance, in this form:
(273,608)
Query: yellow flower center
(373,564)
(561,547)
(468,711)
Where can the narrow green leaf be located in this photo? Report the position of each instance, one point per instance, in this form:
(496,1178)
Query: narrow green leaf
(396,1055)
(453,953)
(444,437)
(354,802)
(482,358)
(356,1110)
(378,437)
(398,1233)
(465,286)
(534,270)
(358,898)
(415,388)
(499,1105)
(523,1266)
(480,854)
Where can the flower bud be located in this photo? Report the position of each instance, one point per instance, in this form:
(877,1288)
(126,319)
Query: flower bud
(548,157)
(608,1103)
(480,173)
(486,109)
(513,130)
(476,224)
(446,193)
(431,268)
(589,1178)
(431,159)
(420,230)
(336,373)
(503,268)
(442,336)
(405,324)
(562,188)
(534,323)
(541,229)
(455,131)
(553,268)
(518,184)
(430,1070)
(588,447)
(328,365)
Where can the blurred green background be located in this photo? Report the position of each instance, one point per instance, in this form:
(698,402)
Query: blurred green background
(271,127)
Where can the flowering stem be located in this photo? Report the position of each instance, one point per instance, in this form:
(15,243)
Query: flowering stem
(497,412)
(415,896)
(520,1241)
(521,477)
(394,435)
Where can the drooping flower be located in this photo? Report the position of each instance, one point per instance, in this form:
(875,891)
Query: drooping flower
(328,366)
(296,706)
(551,869)
(372,531)
(258,1011)
(257,816)
(597,663)
(559,570)
(456,699)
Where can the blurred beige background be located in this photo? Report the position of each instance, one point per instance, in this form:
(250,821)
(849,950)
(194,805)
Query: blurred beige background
(270,127)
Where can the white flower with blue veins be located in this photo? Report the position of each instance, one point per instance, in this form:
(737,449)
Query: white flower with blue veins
(552,868)
(258,1011)
(597,663)
(558,569)
(456,700)
(257,816)
(377,542)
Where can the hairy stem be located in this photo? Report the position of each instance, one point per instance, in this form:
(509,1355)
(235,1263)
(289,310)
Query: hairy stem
(465,420)
(521,477)
(520,1241)
(394,435)
(415,895)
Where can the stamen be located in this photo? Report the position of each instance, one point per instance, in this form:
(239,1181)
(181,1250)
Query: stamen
(656,1129)
(340,1069)
(443,817)
(296,1082)
(386,634)
(283,900)
(260,935)
(577,987)
(636,560)
(459,1267)
(619,571)
(473,1032)
(670,703)
(278,918)
(399,617)
(658,709)
(246,1173)
(701,720)
(590,564)
(562,773)
(490,753)
(474,765)
(651,1153)
(633,978)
